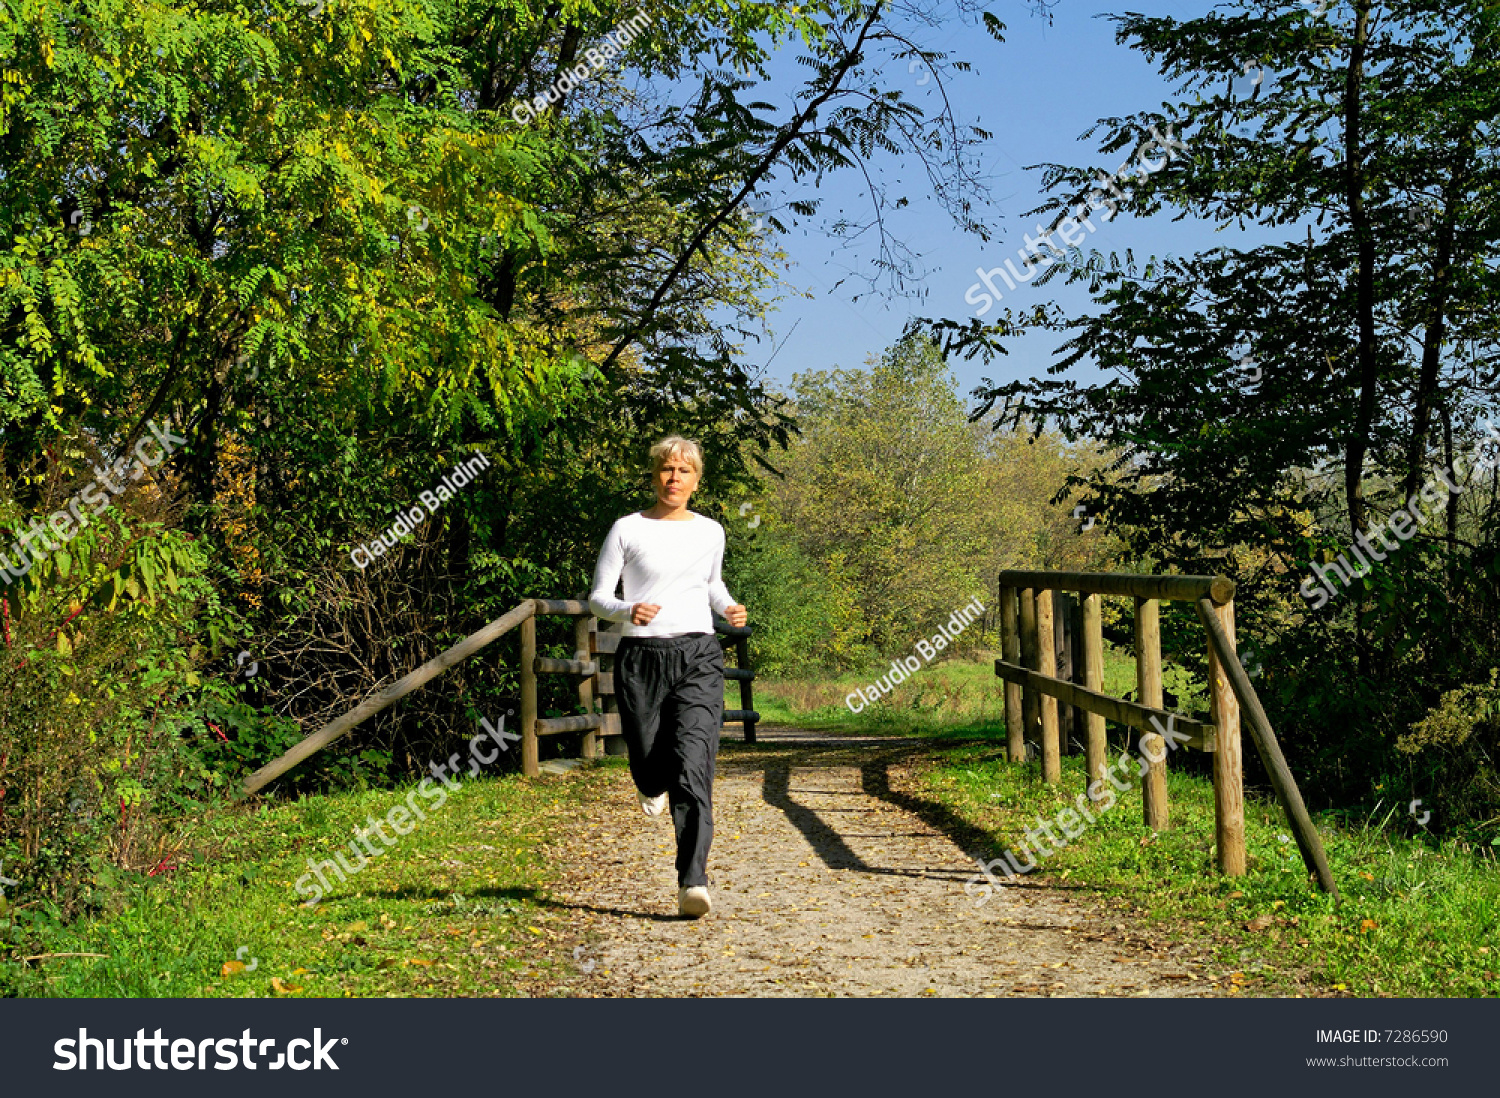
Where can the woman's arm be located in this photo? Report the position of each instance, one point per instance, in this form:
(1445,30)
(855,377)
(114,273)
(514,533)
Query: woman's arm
(607,572)
(718,594)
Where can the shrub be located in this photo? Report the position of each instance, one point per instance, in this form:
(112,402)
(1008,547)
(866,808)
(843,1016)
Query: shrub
(98,694)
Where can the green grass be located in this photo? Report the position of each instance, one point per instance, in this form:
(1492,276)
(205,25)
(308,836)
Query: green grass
(1419,917)
(401,926)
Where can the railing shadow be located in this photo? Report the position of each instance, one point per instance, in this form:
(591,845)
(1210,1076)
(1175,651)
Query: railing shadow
(827,842)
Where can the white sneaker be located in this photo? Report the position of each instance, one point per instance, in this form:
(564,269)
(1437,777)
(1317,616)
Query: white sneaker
(694,902)
(652,806)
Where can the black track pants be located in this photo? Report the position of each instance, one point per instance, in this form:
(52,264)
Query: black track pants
(671,696)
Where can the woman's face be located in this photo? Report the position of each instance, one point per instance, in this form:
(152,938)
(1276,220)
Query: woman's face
(676,481)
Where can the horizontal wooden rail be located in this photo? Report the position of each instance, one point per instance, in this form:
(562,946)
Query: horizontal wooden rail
(1308,840)
(741,674)
(545,666)
(1201,735)
(1172,588)
(397,690)
(572,608)
(741,716)
(724,629)
(551,726)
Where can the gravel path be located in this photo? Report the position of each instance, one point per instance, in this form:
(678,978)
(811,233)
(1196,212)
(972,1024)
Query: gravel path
(831,877)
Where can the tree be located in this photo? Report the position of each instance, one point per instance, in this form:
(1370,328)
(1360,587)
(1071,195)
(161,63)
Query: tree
(886,474)
(1364,134)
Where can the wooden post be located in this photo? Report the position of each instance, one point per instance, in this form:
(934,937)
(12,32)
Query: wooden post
(747,699)
(1031,707)
(1068,720)
(1093,679)
(1047,650)
(1229,779)
(1264,737)
(582,627)
(1149,692)
(1010,650)
(614,743)
(1075,656)
(530,755)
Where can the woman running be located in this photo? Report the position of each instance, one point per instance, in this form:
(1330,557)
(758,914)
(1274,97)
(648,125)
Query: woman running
(669,670)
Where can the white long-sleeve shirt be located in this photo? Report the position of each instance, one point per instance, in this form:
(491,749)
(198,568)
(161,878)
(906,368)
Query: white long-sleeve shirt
(676,565)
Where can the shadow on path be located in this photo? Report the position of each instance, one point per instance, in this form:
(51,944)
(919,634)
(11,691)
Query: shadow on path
(776,761)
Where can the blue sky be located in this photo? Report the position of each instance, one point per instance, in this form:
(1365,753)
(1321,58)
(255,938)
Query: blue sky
(1037,92)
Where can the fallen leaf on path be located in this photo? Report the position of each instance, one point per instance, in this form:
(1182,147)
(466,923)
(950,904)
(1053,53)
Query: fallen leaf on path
(281,987)
(1260,922)
(232,968)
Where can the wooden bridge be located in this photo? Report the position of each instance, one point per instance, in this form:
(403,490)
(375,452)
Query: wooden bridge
(1033,691)
(592,668)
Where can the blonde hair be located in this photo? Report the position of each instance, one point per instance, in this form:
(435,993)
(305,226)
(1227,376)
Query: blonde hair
(673,445)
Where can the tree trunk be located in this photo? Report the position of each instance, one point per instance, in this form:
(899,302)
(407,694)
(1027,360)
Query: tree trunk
(1366,369)
(1432,340)
(1365,366)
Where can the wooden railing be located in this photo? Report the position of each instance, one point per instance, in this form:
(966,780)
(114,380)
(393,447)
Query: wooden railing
(1033,691)
(592,665)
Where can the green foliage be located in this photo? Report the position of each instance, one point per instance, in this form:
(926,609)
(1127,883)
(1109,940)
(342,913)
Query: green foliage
(806,613)
(892,511)
(1458,714)
(98,686)
(886,474)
